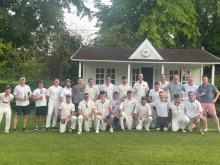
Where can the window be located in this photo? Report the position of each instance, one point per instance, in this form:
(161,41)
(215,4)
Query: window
(157,73)
(135,72)
(111,72)
(100,74)
(172,73)
(184,75)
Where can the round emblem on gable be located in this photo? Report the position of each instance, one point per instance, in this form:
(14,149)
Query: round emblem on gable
(145,52)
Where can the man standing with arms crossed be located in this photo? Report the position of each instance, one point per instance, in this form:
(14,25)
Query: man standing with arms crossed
(108,87)
(22,94)
(208,95)
(5,107)
(39,96)
(53,93)
(140,88)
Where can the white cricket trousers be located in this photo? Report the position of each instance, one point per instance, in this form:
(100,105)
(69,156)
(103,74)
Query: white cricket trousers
(73,124)
(144,122)
(52,110)
(100,123)
(7,112)
(128,120)
(87,124)
(180,123)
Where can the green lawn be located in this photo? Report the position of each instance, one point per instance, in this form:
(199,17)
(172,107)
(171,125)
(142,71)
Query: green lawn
(129,147)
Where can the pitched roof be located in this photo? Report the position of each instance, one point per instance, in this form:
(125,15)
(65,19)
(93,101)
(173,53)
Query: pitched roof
(123,54)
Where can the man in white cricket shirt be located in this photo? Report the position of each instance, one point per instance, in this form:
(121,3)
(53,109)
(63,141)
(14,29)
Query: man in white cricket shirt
(189,86)
(124,87)
(101,112)
(179,119)
(86,109)
(142,114)
(53,93)
(66,114)
(67,90)
(108,87)
(22,94)
(154,96)
(162,109)
(140,88)
(127,110)
(5,107)
(163,84)
(195,113)
(39,96)
(92,90)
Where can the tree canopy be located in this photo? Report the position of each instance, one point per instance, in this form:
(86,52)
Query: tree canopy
(167,24)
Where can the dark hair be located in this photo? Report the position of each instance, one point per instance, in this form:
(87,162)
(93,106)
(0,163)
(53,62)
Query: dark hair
(90,79)
(123,77)
(41,82)
(205,76)
(108,75)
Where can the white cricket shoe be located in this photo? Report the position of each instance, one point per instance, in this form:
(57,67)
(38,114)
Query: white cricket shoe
(97,131)
(205,130)
(111,130)
(79,132)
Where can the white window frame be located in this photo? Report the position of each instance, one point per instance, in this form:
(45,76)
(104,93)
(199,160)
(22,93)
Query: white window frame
(134,76)
(184,74)
(107,71)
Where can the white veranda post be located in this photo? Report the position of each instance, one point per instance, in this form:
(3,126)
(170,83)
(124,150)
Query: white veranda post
(129,72)
(162,69)
(213,74)
(80,69)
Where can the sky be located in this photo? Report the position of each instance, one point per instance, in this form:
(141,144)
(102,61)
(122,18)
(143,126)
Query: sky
(83,26)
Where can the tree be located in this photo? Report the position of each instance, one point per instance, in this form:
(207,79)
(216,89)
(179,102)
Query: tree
(29,29)
(170,24)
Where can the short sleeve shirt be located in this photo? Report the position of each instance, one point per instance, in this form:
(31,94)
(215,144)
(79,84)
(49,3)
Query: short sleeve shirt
(193,109)
(188,88)
(162,108)
(78,92)
(5,100)
(209,90)
(53,93)
(22,91)
(115,104)
(86,107)
(92,91)
(128,106)
(102,106)
(66,109)
(40,92)
(142,110)
(154,94)
(175,89)
(178,111)
(140,89)
(108,90)
(66,91)
(122,89)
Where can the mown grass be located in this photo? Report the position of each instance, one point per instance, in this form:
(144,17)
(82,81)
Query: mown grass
(128,147)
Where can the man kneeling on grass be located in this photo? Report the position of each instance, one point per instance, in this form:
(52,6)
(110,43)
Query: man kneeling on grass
(179,120)
(66,113)
(86,110)
(195,113)
(142,115)
(162,109)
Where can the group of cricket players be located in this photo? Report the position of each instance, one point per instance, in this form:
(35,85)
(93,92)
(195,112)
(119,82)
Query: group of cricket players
(77,108)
